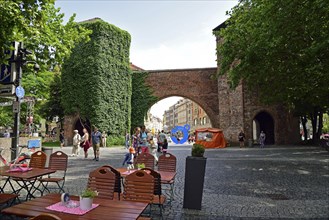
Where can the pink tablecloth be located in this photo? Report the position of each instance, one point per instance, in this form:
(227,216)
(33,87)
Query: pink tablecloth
(58,207)
(19,169)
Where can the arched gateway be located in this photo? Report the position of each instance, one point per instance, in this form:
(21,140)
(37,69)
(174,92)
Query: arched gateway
(230,110)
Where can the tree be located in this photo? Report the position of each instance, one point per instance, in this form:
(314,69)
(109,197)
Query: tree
(53,107)
(281,49)
(39,25)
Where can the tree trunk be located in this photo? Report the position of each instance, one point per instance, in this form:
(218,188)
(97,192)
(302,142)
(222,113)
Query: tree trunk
(314,119)
(320,126)
(304,121)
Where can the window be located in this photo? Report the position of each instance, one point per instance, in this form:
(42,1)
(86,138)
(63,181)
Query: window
(195,122)
(200,120)
(204,120)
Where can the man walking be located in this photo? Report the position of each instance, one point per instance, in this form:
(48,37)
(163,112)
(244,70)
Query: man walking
(96,137)
(161,138)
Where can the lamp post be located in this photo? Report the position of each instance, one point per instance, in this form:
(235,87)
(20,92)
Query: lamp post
(19,93)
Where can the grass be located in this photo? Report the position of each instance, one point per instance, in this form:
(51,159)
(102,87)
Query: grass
(51,144)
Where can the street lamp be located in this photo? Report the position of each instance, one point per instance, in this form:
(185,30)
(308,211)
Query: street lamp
(19,92)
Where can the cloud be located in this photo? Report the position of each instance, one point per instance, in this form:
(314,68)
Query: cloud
(187,54)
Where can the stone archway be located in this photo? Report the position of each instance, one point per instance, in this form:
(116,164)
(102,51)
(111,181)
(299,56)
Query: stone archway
(197,85)
(263,121)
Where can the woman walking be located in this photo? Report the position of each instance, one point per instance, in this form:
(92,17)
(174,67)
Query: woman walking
(85,144)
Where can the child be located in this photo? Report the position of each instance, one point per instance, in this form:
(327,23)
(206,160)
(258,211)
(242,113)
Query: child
(129,159)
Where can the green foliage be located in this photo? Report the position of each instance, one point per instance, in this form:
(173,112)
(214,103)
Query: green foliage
(280,48)
(140,165)
(89,193)
(141,99)
(96,78)
(40,26)
(115,140)
(197,150)
(52,107)
(6,116)
(325,123)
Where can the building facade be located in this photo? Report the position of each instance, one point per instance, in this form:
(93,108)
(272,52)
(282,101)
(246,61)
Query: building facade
(184,112)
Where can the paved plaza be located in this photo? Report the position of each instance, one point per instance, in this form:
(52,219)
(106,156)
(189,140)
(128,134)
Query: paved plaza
(249,183)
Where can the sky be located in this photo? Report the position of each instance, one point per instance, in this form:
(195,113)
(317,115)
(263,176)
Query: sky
(165,34)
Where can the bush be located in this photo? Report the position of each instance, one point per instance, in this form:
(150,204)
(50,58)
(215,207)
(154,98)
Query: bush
(197,150)
(115,141)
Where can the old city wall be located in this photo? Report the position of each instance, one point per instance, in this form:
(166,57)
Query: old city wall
(198,85)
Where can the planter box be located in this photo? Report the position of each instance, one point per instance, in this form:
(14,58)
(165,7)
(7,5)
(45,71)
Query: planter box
(194,178)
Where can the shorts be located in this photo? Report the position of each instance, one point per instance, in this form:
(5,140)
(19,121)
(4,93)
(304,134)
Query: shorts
(96,147)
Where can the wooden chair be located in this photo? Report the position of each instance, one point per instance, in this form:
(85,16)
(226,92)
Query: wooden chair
(158,198)
(58,161)
(102,180)
(7,198)
(167,162)
(117,186)
(38,160)
(46,216)
(145,158)
(139,187)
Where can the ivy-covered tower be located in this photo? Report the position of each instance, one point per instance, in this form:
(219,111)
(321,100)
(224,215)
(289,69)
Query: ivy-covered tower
(96,81)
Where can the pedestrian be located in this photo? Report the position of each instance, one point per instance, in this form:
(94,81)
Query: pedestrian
(76,143)
(153,150)
(104,138)
(6,134)
(129,158)
(61,138)
(143,145)
(160,140)
(85,144)
(241,138)
(165,146)
(136,139)
(127,140)
(262,138)
(96,138)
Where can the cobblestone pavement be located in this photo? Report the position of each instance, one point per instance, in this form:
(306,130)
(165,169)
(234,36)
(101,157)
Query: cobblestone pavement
(248,183)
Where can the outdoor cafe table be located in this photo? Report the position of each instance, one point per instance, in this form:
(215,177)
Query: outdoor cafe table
(107,209)
(27,179)
(166,176)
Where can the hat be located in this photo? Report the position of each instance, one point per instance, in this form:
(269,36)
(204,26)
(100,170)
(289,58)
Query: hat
(131,150)
(75,131)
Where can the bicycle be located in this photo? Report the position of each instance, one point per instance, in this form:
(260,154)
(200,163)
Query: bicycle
(22,159)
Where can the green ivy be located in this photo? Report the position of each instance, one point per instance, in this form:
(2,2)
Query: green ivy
(141,99)
(96,79)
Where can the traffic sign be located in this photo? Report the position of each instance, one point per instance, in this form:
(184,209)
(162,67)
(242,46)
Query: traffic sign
(20,92)
(7,90)
(8,72)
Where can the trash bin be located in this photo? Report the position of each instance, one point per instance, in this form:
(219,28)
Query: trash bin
(48,151)
(250,143)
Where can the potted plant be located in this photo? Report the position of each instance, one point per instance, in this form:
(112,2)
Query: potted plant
(140,166)
(86,199)
(195,168)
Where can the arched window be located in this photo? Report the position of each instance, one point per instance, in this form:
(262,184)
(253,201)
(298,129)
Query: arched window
(204,120)
(200,120)
(195,122)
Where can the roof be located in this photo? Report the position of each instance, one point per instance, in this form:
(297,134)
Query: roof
(134,67)
(214,130)
(222,25)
